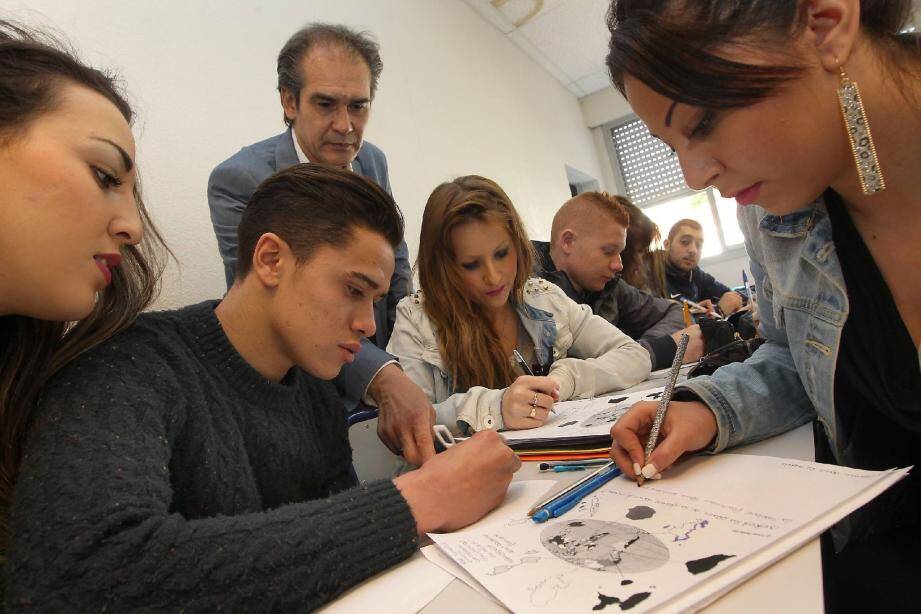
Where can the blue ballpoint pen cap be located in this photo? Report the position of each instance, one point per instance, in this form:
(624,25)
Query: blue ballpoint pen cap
(563,505)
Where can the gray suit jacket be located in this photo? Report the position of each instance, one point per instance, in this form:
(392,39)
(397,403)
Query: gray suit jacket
(230,186)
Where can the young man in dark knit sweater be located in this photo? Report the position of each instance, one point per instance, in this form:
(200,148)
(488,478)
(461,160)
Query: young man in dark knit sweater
(200,460)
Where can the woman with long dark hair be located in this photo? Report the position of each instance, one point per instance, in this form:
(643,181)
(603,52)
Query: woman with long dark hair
(457,337)
(807,113)
(79,258)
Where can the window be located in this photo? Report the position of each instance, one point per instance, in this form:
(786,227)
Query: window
(653,181)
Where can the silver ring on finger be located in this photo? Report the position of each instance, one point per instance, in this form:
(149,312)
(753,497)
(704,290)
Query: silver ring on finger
(534,401)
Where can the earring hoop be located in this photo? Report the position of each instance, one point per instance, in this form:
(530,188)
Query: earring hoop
(858,133)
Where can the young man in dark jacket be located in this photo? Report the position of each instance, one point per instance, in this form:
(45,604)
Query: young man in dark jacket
(683,275)
(583,258)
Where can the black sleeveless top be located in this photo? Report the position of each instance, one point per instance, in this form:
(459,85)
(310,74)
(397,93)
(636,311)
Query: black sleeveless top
(877,389)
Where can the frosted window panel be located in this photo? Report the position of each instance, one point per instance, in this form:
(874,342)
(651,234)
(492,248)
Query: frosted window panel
(694,206)
(726,208)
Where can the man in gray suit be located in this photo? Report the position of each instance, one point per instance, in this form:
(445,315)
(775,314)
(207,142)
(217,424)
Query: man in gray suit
(327,78)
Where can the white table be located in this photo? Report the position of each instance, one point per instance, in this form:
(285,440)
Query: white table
(798,577)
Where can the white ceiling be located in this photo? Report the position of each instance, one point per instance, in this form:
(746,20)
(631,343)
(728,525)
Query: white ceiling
(567,38)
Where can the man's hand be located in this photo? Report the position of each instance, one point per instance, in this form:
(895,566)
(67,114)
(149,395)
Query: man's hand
(461,485)
(695,343)
(730,303)
(406,415)
(708,306)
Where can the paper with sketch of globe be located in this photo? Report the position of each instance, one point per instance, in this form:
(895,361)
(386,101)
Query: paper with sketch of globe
(665,546)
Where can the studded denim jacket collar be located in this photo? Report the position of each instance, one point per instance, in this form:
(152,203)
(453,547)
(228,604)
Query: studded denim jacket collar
(541,327)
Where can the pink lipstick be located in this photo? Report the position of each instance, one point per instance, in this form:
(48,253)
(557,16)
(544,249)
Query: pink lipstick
(107,262)
(748,195)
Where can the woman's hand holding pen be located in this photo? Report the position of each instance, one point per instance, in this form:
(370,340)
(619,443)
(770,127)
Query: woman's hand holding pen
(688,427)
(527,402)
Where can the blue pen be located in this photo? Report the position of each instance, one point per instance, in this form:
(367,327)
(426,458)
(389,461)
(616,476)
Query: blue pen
(562,505)
(555,509)
(551,509)
(562,468)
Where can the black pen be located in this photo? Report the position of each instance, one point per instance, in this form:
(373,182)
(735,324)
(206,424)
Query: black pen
(524,367)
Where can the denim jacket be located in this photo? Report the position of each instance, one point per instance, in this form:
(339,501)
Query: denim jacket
(590,356)
(803,304)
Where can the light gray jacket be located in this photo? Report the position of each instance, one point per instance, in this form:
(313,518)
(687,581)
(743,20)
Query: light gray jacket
(590,355)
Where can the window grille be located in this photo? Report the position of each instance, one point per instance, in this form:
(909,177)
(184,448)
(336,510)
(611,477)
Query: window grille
(649,169)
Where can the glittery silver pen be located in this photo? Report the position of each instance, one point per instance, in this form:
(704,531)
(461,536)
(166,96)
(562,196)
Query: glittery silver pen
(663,403)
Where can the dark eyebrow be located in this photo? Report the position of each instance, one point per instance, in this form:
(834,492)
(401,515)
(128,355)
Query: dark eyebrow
(321,97)
(126,159)
(374,285)
(668,116)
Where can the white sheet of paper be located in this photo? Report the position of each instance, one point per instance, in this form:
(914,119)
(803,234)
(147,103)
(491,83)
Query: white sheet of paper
(434,555)
(407,587)
(519,499)
(592,417)
(585,417)
(675,544)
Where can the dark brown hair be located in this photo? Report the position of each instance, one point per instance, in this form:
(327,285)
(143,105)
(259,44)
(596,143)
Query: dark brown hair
(468,342)
(360,44)
(33,70)
(641,268)
(309,205)
(673,46)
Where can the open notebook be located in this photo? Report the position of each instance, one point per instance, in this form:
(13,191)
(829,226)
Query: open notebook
(673,545)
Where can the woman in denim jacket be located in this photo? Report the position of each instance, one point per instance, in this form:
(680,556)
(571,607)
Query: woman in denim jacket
(758,99)
(457,337)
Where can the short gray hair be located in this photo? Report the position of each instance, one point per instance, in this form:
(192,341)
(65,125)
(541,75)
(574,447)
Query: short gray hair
(361,44)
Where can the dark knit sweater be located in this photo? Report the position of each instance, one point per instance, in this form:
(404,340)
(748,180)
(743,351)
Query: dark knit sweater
(162,472)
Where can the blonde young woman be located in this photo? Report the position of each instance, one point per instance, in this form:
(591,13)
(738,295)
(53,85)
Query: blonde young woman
(456,337)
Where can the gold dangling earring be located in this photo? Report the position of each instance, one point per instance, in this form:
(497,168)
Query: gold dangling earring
(858,132)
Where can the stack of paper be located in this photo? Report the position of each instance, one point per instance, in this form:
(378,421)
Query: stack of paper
(672,545)
(578,429)
(581,429)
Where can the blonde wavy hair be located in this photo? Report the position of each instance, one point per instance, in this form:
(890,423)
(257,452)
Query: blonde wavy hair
(468,342)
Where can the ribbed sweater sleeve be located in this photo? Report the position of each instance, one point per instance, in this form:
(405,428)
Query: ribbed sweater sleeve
(144,487)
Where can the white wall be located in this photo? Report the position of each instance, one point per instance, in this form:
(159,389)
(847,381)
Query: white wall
(456,97)
(602,107)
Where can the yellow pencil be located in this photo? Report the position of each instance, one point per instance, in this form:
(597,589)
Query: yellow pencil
(687,315)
